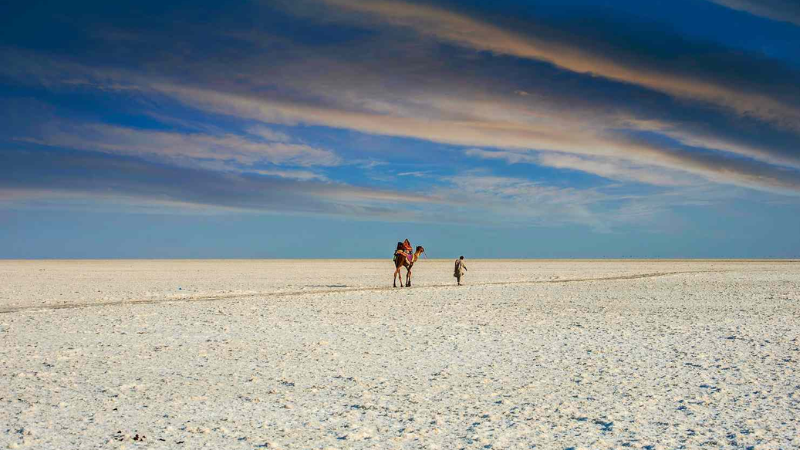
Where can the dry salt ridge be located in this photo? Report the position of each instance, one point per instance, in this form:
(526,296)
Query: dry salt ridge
(324,354)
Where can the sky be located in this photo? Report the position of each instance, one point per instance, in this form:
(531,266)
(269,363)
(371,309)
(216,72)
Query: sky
(335,128)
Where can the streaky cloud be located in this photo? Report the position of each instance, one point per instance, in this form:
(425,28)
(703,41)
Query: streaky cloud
(518,200)
(336,81)
(302,175)
(779,10)
(26,175)
(181,148)
(465,116)
(522,201)
(696,75)
(457,107)
(604,167)
(712,165)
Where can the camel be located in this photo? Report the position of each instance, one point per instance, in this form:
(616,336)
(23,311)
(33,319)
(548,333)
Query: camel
(400,261)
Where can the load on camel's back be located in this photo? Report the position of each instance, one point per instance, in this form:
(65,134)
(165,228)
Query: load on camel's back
(403,248)
(403,257)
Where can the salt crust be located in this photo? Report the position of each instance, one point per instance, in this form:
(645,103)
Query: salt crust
(320,354)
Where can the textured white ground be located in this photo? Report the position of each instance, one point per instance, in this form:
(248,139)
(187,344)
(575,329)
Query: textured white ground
(320,354)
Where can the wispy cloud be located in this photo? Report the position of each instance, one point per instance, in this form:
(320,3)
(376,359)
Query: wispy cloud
(302,175)
(56,175)
(614,169)
(590,142)
(519,201)
(697,76)
(459,114)
(416,173)
(181,147)
(780,10)
(619,112)
(269,134)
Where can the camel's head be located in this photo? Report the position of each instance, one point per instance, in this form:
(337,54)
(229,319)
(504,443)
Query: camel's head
(420,249)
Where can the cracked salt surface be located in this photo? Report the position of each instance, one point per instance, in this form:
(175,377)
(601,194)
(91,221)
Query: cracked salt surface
(621,356)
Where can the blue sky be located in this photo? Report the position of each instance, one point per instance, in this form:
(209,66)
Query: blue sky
(335,128)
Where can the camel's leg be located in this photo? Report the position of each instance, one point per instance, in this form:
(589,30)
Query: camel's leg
(408,278)
(397,273)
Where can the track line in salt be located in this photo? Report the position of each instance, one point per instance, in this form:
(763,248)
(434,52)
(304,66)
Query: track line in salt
(211,298)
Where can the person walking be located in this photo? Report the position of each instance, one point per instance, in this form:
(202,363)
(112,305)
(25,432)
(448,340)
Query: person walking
(459,270)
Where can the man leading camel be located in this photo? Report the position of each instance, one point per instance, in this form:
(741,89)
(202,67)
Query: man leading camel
(459,270)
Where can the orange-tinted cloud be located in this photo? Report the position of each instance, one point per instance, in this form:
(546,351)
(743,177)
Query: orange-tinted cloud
(680,79)
(780,10)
